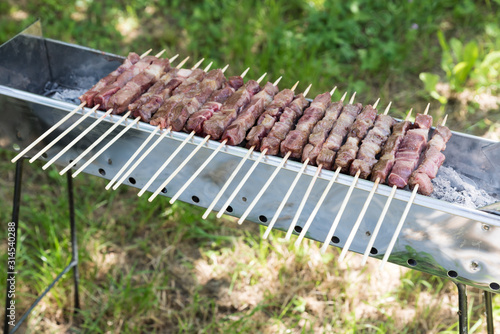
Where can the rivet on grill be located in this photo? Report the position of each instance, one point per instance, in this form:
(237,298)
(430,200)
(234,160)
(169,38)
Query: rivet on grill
(110,161)
(131,180)
(45,156)
(412,262)
(368,233)
(474,266)
(374,251)
(195,199)
(102,172)
(16,147)
(452,274)
(164,190)
(244,199)
(494,286)
(335,239)
(298,228)
(263,219)
(229,209)
(486,227)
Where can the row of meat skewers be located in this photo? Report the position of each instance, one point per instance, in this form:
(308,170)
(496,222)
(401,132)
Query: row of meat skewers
(346,139)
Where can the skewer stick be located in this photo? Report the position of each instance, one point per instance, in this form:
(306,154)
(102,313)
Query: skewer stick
(146,53)
(363,210)
(165,164)
(307,90)
(351,101)
(182,62)
(228,182)
(294,86)
(333,90)
(77,139)
(444,120)
(208,67)
(158,55)
(198,171)
(316,208)
(261,78)
(340,213)
(105,147)
(264,188)
(198,64)
(131,159)
(143,156)
(225,68)
(245,72)
(427,109)
(171,59)
(384,210)
(49,131)
(302,203)
(379,224)
(241,184)
(399,227)
(277,81)
(181,166)
(376,103)
(285,199)
(71,127)
(94,144)
(355,227)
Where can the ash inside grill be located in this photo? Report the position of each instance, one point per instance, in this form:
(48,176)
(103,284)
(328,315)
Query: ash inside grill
(55,91)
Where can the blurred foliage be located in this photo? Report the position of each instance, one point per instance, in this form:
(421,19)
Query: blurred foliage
(377,48)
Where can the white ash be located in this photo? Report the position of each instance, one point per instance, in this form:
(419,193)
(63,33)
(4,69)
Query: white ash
(61,93)
(452,187)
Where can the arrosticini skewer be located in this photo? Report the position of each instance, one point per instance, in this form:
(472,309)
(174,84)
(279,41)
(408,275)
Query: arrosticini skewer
(173,155)
(382,215)
(97,121)
(143,145)
(181,166)
(245,178)
(361,215)
(207,161)
(342,206)
(308,191)
(403,216)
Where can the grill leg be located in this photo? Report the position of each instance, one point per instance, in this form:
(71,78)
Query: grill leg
(15,219)
(462,309)
(74,244)
(489,312)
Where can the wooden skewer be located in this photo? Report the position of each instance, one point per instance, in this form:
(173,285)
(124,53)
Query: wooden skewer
(316,208)
(306,195)
(228,182)
(71,127)
(399,227)
(105,147)
(382,215)
(294,86)
(49,131)
(205,163)
(198,64)
(302,203)
(143,145)
(179,168)
(166,163)
(427,109)
(94,144)
(143,156)
(77,139)
(403,217)
(340,213)
(264,188)
(241,184)
(146,53)
(208,67)
(285,200)
(361,215)
(132,158)
(171,59)
(158,55)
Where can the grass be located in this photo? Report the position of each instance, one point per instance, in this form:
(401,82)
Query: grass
(154,267)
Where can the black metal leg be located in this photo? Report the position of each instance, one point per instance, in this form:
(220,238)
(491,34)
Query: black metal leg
(462,309)
(9,328)
(489,312)
(11,266)
(74,244)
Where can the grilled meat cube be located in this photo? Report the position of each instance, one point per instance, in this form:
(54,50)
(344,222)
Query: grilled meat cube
(89,95)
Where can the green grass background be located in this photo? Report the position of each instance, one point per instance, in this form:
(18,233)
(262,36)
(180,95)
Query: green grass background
(159,267)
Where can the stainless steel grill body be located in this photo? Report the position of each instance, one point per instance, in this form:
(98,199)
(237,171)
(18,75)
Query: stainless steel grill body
(438,237)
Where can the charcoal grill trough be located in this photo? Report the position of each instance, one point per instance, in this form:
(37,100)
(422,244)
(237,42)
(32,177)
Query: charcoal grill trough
(440,238)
